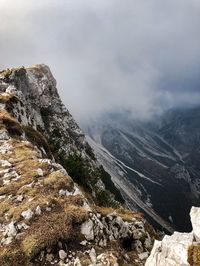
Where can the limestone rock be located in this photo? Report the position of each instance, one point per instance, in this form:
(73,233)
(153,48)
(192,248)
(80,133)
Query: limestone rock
(62,254)
(171,251)
(28,214)
(87,230)
(195,220)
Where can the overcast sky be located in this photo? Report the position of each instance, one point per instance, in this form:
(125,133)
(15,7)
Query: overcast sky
(142,55)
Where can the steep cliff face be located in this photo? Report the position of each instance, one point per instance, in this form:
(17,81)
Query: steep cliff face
(39,108)
(51,184)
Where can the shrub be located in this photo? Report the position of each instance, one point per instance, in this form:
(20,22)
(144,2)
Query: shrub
(109,185)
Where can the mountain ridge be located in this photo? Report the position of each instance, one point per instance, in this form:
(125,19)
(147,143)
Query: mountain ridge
(55,206)
(160,174)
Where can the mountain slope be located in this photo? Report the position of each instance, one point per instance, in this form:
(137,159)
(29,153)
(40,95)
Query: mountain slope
(46,218)
(153,168)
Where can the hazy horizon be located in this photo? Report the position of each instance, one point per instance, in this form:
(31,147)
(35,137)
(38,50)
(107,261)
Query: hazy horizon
(137,55)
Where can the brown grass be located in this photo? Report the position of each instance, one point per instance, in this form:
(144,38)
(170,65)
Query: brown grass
(51,228)
(125,214)
(58,180)
(11,124)
(194,255)
(5,97)
(5,205)
(12,256)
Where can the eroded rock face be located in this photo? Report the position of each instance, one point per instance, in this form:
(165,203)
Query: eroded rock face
(173,250)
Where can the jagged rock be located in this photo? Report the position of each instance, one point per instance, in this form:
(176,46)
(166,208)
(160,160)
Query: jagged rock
(5,163)
(20,198)
(171,251)
(7,241)
(93,256)
(27,215)
(38,210)
(10,230)
(87,230)
(195,220)
(143,256)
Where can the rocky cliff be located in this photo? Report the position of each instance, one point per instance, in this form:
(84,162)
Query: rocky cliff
(58,206)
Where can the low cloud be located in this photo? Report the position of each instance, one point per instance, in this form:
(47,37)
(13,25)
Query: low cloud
(109,54)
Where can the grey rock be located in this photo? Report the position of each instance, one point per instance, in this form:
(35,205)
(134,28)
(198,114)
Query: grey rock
(62,254)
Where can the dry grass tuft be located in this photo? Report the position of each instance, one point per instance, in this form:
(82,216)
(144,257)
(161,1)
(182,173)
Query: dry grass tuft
(11,124)
(5,205)
(6,97)
(51,228)
(125,214)
(194,255)
(12,256)
(57,181)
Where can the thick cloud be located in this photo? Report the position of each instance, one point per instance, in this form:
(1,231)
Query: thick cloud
(105,54)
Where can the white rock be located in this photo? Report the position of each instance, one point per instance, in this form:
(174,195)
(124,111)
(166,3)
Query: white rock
(10,230)
(38,210)
(77,262)
(171,251)
(143,255)
(93,256)
(5,163)
(7,241)
(87,230)
(5,147)
(40,172)
(4,135)
(62,192)
(27,215)
(195,220)
(62,254)
(20,198)
(77,192)
(83,243)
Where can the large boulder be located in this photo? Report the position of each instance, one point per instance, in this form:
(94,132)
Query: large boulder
(173,250)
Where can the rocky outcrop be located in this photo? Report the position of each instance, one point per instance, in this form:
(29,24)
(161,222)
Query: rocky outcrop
(45,217)
(30,94)
(178,249)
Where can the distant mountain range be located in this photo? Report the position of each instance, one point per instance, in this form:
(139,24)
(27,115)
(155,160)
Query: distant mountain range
(156,165)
